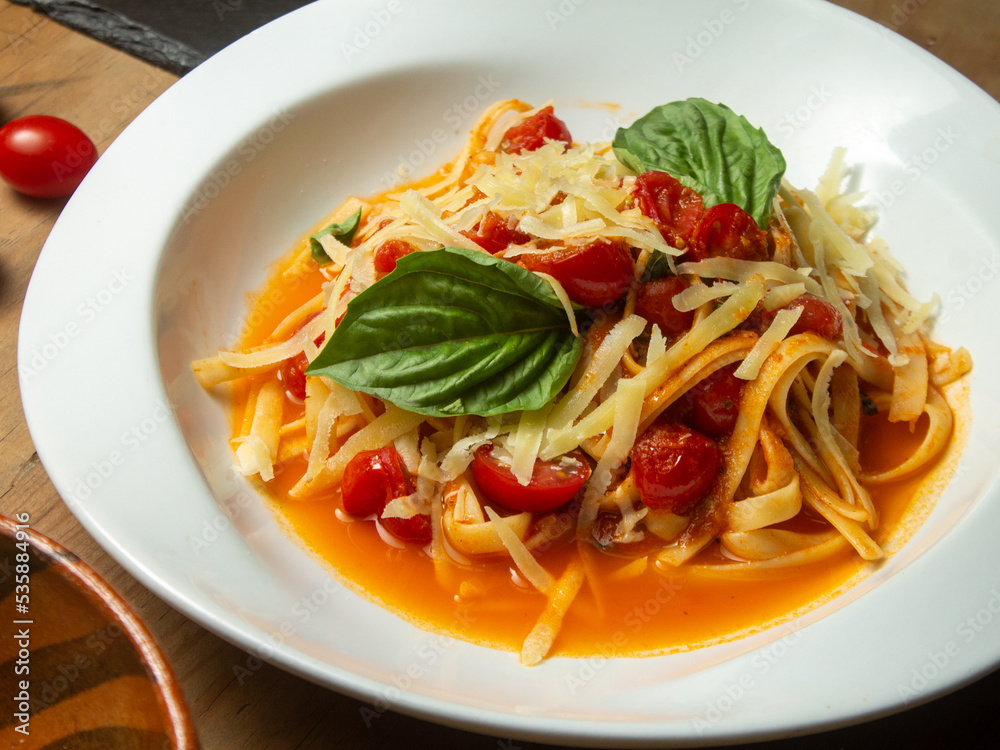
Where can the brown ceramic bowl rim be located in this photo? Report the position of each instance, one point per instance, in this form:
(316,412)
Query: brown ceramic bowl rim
(84,578)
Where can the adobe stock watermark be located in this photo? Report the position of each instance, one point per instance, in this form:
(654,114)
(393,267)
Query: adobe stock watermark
(427,656)
(635,620)
(85,313)
(302,611)
(558,15)
(130,440)
(797,118)
(246,152)
(916,166)
(711,29)
(938,661)
(456,116)
(958,296)
(730,694)
(365,33)
(901,12)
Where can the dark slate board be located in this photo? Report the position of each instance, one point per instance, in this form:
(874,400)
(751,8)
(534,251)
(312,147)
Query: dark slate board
(175,35)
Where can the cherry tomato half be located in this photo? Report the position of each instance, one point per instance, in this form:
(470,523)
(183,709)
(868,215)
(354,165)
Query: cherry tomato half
(655,303)
(674,465)
(726,230)
(44,156)
(532,133)
(595,274)
(552,482)
(674,207)
(495,233)
(372,479)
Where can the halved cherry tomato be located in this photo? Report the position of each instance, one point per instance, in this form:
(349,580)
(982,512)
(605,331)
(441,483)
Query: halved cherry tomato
(43,156)
(674,466)
(495,233)
(595,274)
(372,479)
(389,252)
(655,303)
(715,402)
(552,482)
(532,133)
(727,231)
(292,372)
(817,316)
(674,207)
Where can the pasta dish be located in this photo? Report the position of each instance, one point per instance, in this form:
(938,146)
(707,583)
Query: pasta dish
(553,371)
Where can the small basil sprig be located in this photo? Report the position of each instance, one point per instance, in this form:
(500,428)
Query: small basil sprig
(344,231)
(709,148)
(451,332)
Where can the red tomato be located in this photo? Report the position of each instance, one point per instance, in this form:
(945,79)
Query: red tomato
(43,156)
(552,482)
(595,274)
(414,529)
(372,479)
(655,303)
(674,207)
(674,465)
(389,252)
(818,316)
(495,234)
(292,372)
(715,402)
(726,230)
(532,133)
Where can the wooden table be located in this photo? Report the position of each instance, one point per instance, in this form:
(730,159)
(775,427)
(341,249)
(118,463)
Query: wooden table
(45,68)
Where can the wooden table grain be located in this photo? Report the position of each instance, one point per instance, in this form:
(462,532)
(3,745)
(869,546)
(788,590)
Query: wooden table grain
(45,68)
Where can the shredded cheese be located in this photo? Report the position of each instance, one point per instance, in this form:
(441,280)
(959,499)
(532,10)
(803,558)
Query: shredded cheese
(768,342)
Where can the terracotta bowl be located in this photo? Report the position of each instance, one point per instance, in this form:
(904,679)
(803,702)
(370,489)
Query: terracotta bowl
(82,669)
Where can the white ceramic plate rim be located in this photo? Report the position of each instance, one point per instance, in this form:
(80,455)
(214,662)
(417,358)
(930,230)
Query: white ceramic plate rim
(724,693)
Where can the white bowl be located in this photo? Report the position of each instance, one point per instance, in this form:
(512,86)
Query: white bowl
(150,262)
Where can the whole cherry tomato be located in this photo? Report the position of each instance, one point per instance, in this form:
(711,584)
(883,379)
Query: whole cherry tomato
(292,372)
(495,233)
(726,230)
(532,133)
(715,402)
(372,479)
(674,207)
(552,482)
(595,274)
(413,529)
(674,465)
(44,156)
(817,316)
(655,303)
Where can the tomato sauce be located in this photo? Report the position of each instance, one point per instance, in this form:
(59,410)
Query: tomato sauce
(627,607)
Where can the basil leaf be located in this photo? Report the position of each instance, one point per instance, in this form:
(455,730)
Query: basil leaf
(344,231)
(454,331)
(656,268)
(709,148)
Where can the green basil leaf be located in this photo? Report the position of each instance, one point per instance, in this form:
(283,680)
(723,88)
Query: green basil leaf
(344,231)
(709,148)
(454,331)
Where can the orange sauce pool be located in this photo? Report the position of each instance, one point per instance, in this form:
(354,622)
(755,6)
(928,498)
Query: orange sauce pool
(621,610)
